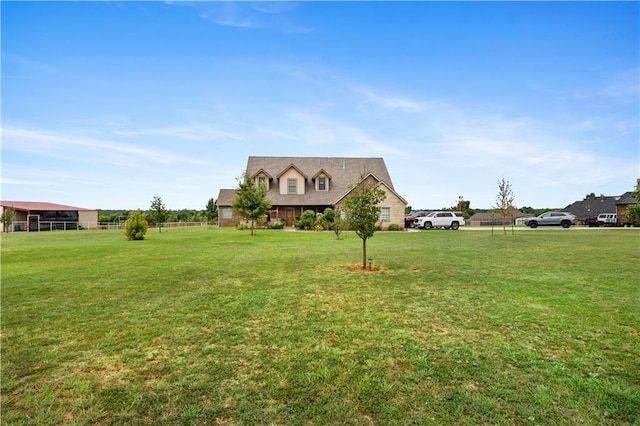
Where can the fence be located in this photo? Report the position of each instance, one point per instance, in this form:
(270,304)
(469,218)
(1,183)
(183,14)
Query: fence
(22,226)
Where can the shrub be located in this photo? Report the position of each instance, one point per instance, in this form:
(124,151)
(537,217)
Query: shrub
(329,215)
(277,225)
(394,227)
(136,226)
(320,222)
(308,219)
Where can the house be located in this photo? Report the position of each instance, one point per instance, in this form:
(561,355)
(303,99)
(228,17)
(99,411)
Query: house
(624,201)
(296,184)
(39,216)
(589,208)
(488,218)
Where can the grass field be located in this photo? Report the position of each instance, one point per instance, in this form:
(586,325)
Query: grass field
(212,326)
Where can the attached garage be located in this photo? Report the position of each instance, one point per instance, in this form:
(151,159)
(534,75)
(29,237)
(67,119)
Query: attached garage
(35,216)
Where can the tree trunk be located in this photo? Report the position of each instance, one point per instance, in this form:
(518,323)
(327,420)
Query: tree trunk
(364,253)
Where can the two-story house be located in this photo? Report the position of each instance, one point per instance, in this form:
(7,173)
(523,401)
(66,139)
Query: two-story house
(296,184)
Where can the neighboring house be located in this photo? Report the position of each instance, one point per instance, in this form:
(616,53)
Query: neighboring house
(296,184)
(488,219)
(624,201)
(37,216)
(589,208)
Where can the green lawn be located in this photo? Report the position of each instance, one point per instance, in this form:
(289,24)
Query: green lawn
(212,326)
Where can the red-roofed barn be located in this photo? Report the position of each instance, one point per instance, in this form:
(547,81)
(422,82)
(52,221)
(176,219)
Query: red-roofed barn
(37,216)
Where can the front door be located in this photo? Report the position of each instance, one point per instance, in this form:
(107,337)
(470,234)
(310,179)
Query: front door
(289,216)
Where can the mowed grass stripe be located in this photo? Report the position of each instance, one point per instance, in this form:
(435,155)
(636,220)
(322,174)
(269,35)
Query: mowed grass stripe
(207,325)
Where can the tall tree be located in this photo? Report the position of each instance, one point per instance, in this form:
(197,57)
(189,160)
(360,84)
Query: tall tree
(158,213)
(8,213)
(251,202)
(211,211)
(504,201)
(363,212)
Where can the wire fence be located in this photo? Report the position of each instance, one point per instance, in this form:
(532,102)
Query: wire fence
(46,226)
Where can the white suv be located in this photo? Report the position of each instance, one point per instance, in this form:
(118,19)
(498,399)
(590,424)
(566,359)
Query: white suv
(607,219)
(446,220)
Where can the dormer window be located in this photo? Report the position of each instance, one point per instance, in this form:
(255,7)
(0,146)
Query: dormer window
(322,183)
(322,179)
(292,181)
(261,177)
(292,186)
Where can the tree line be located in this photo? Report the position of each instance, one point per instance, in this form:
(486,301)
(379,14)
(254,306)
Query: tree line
(157,213)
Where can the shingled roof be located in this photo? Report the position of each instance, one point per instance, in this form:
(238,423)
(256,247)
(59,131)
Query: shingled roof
(343,172)
(592,207)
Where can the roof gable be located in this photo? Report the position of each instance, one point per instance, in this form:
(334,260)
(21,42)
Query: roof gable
(289,167)
(320,173)
(372,178)
(261,171)
(626,199)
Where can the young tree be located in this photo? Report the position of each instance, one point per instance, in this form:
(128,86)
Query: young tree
(338,224)
(251,201)
(7,217)
(136,226)
(158,213)
(363,211)
(504,202)
(211,211)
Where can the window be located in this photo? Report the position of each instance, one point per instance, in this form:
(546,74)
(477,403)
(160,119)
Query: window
(227,213)
(385,214)
(292,186)
(262,180)
(322,184)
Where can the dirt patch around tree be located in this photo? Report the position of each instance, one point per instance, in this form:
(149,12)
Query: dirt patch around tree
(357,267)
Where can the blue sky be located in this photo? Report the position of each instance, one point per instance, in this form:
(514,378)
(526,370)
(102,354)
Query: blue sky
(108,104)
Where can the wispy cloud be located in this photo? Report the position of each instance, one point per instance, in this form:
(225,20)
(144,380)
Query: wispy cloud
(624,86)
(389,103)
(192,133)
(274,16)
(83,149)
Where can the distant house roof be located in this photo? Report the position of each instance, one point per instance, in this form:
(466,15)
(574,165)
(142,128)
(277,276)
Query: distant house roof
(626,199)
(592,207)
(39,206)
(487,217)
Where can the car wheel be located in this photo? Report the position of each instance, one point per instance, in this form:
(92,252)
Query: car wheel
(533,224)
(455,225)
(566,224)
(427,225)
